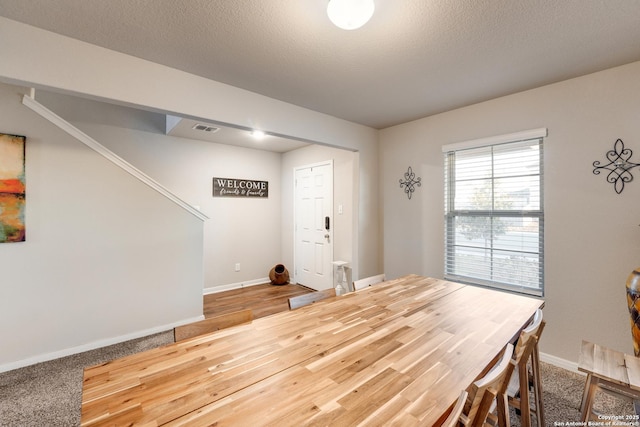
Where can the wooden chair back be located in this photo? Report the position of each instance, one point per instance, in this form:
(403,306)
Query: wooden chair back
(368,281)
(306,299)
(518,389)
(453,419)
(533,331)
(487,390)
(211,324)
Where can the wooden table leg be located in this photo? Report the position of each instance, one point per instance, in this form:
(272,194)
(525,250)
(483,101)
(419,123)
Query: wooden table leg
(590,388)
(585,392)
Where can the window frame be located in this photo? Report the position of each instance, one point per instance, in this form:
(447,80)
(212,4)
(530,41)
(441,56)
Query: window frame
(451,213)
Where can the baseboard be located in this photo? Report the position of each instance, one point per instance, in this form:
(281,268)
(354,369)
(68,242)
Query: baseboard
(93,345)
(560,363)
(231,286)
(187,321)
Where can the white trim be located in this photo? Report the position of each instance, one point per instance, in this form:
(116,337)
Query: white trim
(231,286)
(108,154)
(560,363)
(187,321)
(313,165)
(498,139)
(94,345)
(329,162)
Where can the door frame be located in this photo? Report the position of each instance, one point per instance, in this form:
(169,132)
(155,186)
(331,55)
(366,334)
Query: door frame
(295,228)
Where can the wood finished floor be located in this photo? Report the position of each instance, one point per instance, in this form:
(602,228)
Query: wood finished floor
(263,300)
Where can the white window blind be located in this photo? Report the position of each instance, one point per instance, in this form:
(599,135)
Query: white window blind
(494,216)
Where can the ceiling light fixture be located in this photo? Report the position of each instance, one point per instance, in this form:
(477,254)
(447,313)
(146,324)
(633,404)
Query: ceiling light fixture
(258,134)
(350,14)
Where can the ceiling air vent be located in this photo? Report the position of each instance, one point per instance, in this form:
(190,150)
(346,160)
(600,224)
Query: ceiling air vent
(205,128)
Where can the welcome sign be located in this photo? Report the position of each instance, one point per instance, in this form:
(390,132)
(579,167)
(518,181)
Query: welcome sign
(234,187)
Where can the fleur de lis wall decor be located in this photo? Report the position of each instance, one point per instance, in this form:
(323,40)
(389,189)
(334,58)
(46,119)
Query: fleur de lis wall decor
(410,182)
(619,166)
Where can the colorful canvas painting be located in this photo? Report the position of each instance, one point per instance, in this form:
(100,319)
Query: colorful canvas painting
(12,188)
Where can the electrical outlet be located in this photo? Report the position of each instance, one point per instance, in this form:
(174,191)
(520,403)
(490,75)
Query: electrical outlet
(237,266)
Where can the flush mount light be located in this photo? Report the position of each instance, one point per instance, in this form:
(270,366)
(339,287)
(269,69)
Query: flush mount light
(257,134)
(350,14)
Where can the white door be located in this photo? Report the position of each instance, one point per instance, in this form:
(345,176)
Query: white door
(314,226)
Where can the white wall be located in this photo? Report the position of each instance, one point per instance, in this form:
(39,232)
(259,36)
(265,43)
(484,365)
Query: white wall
(105,259)
(257,233)
(592,238)
(41,59)
(44,60)
(242,230)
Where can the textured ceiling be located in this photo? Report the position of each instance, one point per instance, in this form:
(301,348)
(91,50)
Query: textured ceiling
(414,58)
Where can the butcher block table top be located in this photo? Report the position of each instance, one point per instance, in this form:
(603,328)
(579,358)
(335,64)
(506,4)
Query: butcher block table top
(397,352)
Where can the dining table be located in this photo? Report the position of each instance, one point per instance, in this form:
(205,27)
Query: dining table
(396,353)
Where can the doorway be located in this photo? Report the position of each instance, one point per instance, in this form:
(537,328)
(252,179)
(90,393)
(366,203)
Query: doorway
(313,229)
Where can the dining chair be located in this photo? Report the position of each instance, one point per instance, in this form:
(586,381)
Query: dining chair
(490,391)
(611,372)
(368,281)
(527,374)
(453,420)
(311,297)
(211,324)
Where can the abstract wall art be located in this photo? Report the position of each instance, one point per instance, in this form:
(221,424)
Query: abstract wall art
(12,188)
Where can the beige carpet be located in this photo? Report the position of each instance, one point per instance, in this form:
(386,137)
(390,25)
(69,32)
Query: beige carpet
(49,394)
(562,395)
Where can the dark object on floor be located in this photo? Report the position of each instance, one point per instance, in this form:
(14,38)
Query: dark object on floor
(279,275)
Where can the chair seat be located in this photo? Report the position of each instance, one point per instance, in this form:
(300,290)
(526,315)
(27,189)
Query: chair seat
(610,365)
(607,370)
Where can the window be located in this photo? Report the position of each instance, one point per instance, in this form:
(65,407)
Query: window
(494,217)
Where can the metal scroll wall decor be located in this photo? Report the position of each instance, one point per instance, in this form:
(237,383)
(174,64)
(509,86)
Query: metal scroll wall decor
(619,166)
(410,182)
